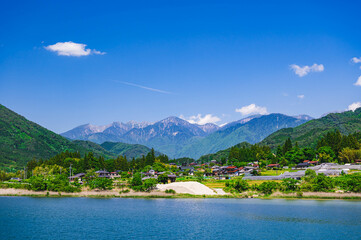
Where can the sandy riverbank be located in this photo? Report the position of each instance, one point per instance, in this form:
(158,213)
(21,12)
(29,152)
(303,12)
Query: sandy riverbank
(181,188)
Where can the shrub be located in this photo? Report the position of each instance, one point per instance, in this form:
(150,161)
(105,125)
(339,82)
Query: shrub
(289,185)
(37,183)
(149,184)
(267,188)
(322,183)
(124,191)
(101,183)
(137,180)
(170,191)
(238,185)
(163,178)
(350,182)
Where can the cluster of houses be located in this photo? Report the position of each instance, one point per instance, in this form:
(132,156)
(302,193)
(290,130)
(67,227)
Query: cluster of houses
(328,169)
(153,174)
(100,173)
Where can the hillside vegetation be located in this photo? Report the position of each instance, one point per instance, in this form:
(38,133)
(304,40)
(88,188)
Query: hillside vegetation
(125,149)
(309,133)
(22,140)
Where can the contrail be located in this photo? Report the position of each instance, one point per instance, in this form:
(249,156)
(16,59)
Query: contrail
(144,87)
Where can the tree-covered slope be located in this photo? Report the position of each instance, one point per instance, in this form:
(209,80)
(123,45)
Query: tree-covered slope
(22,140)
(308,133)
(222,154)
(125,149)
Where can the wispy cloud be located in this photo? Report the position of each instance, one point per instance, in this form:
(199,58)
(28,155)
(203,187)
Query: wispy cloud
(252,109)
(354,106)
(144,87)
(356,60)
(358,82)
(72,49)
(201,120)
(303,71)
(301,96)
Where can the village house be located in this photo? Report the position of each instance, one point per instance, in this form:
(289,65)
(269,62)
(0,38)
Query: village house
(78,176)
(103,173)
(274,165)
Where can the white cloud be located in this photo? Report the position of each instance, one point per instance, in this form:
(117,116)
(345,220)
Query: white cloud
(301,96)
(356,60)
(303,71)
(72,49)
(252,109)
(198,119)
(358,82)
(354,106)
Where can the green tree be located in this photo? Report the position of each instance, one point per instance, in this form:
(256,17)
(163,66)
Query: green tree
(287,146)
(149,184)
(163,178)
(137,180)
(289,184)
(101,183)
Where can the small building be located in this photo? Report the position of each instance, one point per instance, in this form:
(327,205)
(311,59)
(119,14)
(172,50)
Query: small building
(273,165)
(171,178)
(303,165)
(103,173)
(78,176)
(313,163)
(16,179)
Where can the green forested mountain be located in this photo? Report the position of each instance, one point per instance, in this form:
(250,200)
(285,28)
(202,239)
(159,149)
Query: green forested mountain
(309,133)
(125,149)
(22,140)
(222,155)
(95,148)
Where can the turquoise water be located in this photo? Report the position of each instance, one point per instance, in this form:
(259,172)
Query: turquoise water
(89,218)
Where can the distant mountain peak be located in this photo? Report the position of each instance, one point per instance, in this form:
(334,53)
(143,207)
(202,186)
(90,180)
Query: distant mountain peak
(303,117)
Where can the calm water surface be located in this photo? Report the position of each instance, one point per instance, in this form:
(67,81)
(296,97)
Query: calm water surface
(89,218)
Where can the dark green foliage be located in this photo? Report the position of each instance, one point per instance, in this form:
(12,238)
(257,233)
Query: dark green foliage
(287,146)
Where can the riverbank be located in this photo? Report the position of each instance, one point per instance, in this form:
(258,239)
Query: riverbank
(160,194)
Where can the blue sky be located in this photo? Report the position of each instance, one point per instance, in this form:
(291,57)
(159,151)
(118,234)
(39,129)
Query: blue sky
(209,61)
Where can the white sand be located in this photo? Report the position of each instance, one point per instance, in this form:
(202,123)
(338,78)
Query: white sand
(194,188)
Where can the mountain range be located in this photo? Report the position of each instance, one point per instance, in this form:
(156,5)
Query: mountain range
(179,138)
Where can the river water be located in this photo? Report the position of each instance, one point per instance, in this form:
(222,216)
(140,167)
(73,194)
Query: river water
(114,218)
